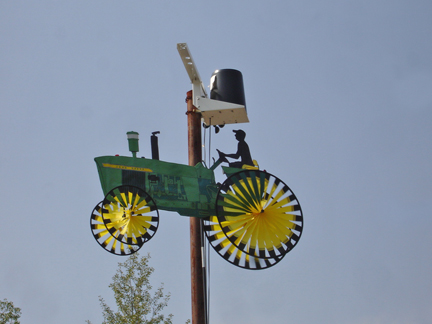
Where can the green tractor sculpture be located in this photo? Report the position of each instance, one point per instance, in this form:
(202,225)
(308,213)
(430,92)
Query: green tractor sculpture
(252,219)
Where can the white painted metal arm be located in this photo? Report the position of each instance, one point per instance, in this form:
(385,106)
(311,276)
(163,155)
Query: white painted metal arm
(191,69)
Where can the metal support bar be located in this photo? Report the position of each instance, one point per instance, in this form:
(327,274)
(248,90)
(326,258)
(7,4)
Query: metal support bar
(197,266)
(191,69)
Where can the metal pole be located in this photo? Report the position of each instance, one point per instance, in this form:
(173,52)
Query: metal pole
(197,278)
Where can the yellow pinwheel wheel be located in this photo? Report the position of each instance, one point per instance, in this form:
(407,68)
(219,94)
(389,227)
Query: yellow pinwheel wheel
(105,239)
(259,214)
(130,215)
(230,252)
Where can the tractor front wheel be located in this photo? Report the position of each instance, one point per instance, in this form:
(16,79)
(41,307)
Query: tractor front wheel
(130,215)
(107,241)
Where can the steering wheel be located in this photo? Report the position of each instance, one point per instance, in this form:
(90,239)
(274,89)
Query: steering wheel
(222,156)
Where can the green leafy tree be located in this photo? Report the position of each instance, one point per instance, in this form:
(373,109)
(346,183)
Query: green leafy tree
(8,313)
(133,295)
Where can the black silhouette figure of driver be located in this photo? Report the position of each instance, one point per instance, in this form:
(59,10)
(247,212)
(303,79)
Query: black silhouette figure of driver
(242,151)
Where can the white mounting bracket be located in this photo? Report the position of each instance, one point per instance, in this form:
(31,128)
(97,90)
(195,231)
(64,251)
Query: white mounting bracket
(214,112)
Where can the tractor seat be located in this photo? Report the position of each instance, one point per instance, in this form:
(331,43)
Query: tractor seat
(251,167)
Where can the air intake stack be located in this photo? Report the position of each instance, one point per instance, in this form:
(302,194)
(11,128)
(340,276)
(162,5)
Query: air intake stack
(133,142)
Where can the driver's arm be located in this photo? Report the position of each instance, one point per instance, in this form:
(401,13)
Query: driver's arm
(235,155)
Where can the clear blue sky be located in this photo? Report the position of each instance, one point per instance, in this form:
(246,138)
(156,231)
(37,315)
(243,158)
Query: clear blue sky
(340,107)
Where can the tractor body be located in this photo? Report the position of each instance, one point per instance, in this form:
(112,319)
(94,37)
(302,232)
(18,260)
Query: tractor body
(188,190)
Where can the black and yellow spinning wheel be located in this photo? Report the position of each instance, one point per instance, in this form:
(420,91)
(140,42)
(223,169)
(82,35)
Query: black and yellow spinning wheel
(130,215)
(259,214)
(230,252)
(105,239)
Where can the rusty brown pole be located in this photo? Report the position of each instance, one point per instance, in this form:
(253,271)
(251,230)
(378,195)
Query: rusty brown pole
(197,277)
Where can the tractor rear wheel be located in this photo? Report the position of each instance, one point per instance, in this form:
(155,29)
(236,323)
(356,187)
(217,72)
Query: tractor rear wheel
(230,252)
(259,214)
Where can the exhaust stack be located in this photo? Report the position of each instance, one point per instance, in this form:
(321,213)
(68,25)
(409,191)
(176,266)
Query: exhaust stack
(154,145)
